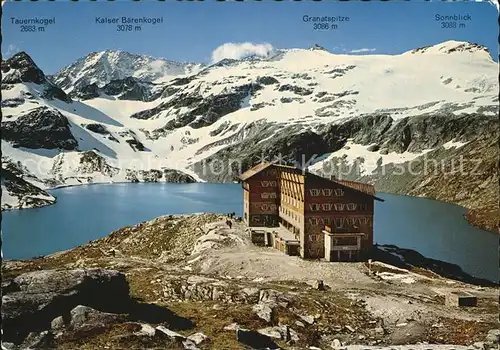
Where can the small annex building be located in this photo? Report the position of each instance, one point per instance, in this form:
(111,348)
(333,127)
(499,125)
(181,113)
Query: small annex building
(310,215)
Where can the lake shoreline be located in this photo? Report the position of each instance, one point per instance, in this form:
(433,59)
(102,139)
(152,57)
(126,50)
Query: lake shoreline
(434,228)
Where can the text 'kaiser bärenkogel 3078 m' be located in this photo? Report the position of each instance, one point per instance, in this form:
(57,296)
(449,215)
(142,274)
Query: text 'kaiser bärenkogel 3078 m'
(129,20)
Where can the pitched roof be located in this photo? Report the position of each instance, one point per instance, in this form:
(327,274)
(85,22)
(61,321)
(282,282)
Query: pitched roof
(254,170)
(360,186)
(364,188)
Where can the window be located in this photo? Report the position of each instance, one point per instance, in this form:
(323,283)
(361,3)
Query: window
(339,206)
(350,221)
(264,195)
(314,207)
(327,221)
(339,192)
(273,183)
(351,206)
(327,206)
(327,192)
(366,219)
(264,183)
(313,221)
(314,192)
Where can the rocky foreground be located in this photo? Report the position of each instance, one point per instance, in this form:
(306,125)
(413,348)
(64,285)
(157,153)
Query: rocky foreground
(190,282)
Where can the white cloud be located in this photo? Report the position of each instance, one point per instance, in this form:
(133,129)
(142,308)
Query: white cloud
(362,50)
(11,50)
(240,50)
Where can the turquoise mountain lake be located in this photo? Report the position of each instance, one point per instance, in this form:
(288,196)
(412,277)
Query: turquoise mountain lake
(84,213)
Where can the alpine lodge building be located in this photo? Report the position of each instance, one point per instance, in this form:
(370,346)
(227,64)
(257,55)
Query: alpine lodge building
(304,214)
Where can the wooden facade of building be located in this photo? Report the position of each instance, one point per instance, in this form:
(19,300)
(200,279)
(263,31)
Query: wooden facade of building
(331,219)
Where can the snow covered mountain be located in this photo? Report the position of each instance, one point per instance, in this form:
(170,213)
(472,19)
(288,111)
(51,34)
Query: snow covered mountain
(147,121)
(101,68)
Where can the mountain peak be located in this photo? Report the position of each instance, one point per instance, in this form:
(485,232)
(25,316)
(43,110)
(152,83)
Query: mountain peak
(105,66)
(21,68)
(317,47)
(451,47)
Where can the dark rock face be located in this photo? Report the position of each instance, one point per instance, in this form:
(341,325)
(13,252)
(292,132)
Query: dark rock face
(125,89)
(136,145)
(176,176)
(86,92)
(155,175)
(91,162)
(20,68)
(41,128)
(12,102)
(131,89)
(29,196)
(212,109)
(97,128)
(203,111)
(296,89)
(266,80)
(32,300)
(291,143)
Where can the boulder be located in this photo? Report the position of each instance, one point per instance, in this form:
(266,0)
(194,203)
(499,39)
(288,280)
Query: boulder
(33,300)
(177,338)
(198,338)
(493,336)
(41,340)
(308,318)
(84,315)
(282,332)
(336,344)
(57,324)
(318,285)
(264,311)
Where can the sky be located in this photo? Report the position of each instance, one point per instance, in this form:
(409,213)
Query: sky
(206,31)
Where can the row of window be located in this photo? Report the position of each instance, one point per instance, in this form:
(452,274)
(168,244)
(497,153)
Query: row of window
(339,222)
(268,195)
(265,206)
(338,206)
(269,183)
(327,192)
